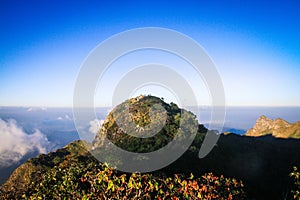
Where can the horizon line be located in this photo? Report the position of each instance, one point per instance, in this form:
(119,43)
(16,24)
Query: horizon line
(109,106)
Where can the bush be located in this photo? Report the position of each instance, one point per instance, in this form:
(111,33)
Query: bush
(296,177)
(78,182)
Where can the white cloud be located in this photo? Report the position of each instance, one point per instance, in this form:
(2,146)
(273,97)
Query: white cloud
(66,117)
(15,143)
(95,126)
(36,109)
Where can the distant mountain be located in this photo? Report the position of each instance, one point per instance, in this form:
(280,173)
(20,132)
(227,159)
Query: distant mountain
(228,130)
(279,128)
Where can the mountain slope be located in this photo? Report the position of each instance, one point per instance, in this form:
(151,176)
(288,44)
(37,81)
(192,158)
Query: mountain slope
(262,163)
(24,179)
(76,175)
(73,173)
(279,128)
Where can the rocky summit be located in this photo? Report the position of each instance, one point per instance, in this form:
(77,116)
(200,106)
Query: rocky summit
(146,116)
(278,128)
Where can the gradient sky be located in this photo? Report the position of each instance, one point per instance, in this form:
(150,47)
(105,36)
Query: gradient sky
(255,45)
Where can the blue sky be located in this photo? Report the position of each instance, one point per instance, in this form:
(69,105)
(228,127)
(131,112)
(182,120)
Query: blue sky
(255,45)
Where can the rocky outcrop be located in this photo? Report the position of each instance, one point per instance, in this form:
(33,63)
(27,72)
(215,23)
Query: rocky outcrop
(279,128)
(153,121)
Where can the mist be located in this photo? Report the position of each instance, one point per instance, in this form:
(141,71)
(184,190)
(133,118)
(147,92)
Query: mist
(15,143)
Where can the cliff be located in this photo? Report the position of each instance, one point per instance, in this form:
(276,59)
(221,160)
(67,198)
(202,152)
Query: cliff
(278,128)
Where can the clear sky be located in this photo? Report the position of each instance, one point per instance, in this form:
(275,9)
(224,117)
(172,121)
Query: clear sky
(255,45)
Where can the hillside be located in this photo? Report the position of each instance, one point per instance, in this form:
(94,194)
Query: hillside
(239,167)
(30,173)
(73,173)
(262,163)
(278,128)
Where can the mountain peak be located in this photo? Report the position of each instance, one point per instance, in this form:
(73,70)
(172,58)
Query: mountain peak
(278,128)
(154,121)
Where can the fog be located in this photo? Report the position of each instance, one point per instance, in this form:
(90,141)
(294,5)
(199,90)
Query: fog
(15,143)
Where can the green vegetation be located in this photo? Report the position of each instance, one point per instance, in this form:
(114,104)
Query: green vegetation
(139,112)
(77,175)
(296,178)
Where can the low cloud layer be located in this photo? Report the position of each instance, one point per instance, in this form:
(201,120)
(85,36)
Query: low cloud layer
(15,143)
(95,126)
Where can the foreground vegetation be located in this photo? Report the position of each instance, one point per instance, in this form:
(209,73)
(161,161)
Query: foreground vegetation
(72,173)
(106,183)
(296,179)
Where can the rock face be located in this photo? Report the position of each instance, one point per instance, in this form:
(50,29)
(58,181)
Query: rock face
(279,128)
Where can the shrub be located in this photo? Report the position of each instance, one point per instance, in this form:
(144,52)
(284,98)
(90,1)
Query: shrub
(296,177)
(103,182)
